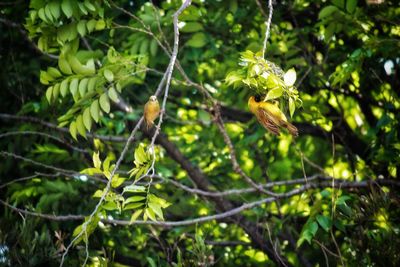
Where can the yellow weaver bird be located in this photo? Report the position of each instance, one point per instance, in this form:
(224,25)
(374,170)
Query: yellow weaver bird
(151,111)
(270,116)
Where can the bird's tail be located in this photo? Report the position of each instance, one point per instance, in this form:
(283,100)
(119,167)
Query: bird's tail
(292,129)
(149,124)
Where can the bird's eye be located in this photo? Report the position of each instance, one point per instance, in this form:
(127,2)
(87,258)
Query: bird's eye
(257,98)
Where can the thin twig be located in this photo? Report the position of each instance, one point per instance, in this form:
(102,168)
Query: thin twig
(268,26)
(219,216)
(235,164)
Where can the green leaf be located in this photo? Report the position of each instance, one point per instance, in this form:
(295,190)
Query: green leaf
(96,160)
(80,126)
(91,24)
(105,103)
(73,130)
(92,84)
(109,75)
(113,95)
(150,214)
(110,205)
(91,226)
(135,215)
(308,232)
(338,3)
(162,202)
(153,47)
(77,66)
(339,225)
(45,78)
(73,87)
(117,181)
(151,262)
(54,9)
(87,119)
(342,199)
(329,31)
(351,6)
(118,87)
(345,209)
(90,67)
(81,27)
(89,6)
(274,93)
(49,94)
(83,86)
(98,194)
(91,171)
(192,27)
(64,65)
(100,25)
(66,7)
(134,188)
(156,209)
(82,8)
(42,15)
(106,164)
(53,72)
(327,11)
(144,46)
(134,199)
(312,228)
(140,155)
(64,87)
(95,110)
(56,91)
(273,81)
(292,106)
(198,40)
(47,11)
(133,206)
(324,221)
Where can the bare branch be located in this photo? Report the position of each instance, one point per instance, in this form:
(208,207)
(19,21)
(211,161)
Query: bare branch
(219,216)
(235,164)
(268,26)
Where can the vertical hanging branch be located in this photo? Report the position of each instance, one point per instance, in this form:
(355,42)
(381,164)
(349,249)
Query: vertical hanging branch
(170,68)
(268,27)
(167,76)
(169,72)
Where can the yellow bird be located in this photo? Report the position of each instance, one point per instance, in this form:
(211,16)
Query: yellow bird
(151,111)
(270,116)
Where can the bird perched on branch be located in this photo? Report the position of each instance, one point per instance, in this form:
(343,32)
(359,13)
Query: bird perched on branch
(270,116)
(151,111)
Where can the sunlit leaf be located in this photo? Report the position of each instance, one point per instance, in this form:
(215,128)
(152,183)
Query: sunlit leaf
(290,77)
(104,103)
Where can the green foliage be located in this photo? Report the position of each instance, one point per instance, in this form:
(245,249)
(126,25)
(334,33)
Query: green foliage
(143,161)
(85,62)
(266,79)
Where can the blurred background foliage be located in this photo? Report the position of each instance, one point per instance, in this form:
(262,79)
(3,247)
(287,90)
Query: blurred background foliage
(347,57)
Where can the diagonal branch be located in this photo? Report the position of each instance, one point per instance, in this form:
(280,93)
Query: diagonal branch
(106,190)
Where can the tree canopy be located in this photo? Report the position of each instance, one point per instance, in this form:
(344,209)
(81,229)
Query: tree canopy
(86,181)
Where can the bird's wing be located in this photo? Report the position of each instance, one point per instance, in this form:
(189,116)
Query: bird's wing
(264,117)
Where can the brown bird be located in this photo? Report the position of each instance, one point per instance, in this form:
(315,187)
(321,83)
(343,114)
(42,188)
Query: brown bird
(151,111)
(270,116)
